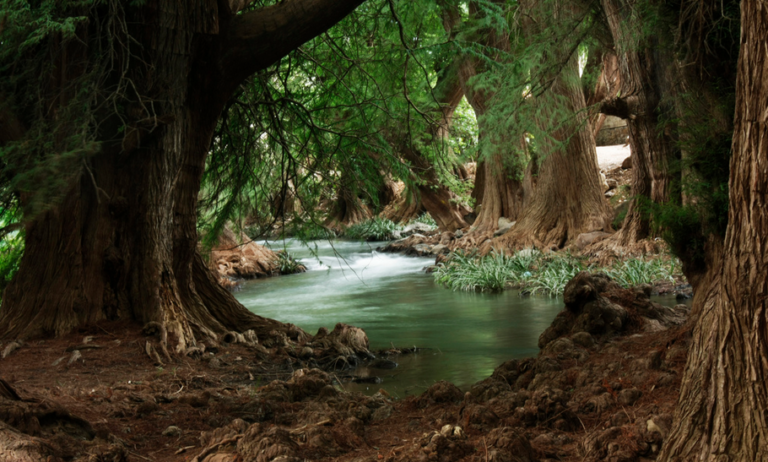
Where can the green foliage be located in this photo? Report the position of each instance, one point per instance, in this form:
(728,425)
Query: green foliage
(464,271)
(539,273)
(635,271)
(11,251)
(62,116)
(375,229)
(425,218)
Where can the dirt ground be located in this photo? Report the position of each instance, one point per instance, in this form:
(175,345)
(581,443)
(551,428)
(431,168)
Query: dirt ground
(606,395)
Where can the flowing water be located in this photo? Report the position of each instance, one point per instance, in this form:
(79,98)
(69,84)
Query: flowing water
(464,335)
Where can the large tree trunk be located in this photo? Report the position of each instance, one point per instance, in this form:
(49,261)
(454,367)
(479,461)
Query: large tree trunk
(406,207)
(568,199)
(438,200)
(498,192)
(652,149)
(441,203)
(721,413)
(123,243)
(499,189)
(348,209)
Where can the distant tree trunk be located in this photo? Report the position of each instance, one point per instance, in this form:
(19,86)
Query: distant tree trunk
(607,86)
(405,208)
(348,209)
(721,412)
(437,199)
(441,203)
(123,242)
(568,199)
(497,192)
(639,103)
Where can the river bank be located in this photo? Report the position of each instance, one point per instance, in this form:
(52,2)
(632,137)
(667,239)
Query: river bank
(602,388)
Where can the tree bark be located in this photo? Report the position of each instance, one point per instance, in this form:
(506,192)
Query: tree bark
(437,199)
(652,149)
(348,208)
(607,87)
(123,243)
(497,192)
(405,208)
(499,189)
(721,412)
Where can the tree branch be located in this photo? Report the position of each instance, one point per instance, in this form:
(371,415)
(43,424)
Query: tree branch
(260,38)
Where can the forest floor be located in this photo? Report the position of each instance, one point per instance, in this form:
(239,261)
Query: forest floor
(602,396)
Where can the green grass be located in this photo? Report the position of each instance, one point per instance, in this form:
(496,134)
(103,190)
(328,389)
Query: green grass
(375,229)
(636,271)
(425,218)
(288,263)
(542,274)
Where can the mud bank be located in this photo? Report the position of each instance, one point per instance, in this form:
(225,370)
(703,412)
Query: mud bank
(602,389)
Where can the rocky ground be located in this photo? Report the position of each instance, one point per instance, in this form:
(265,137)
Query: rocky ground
(602,389)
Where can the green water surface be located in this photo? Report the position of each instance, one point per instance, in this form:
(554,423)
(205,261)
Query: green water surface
(465,335)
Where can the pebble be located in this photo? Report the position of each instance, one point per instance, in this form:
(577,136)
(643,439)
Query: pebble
(173,430)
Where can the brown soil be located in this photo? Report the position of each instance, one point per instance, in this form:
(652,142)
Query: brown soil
(608,395)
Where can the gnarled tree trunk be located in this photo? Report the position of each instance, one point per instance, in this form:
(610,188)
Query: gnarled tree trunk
(122,244)
(721,413)
(641,87)
(568,199)
(499,190)
(498,193)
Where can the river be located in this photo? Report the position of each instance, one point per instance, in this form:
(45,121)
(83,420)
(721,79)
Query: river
(464,335)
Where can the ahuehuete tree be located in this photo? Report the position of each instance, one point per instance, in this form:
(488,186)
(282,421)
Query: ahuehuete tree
(568,200)
(642,64)
(120,102)
(501,185)
(721,412)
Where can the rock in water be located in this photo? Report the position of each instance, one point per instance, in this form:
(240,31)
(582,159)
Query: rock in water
(627,164)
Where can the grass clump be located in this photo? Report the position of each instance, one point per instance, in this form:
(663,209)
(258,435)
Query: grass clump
(492,273)
(636,271)
(426,219)
(542,274)
(375,229)
(288,264)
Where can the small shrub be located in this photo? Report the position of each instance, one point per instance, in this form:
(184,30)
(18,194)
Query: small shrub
(375,229)
(288,264)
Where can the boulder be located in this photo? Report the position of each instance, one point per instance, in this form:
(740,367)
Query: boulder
(627,164)
(596,305)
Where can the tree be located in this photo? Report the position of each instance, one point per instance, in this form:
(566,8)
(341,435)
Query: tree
(500,182)
(120,243)
(723,397)
(568,199)
(641,64)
